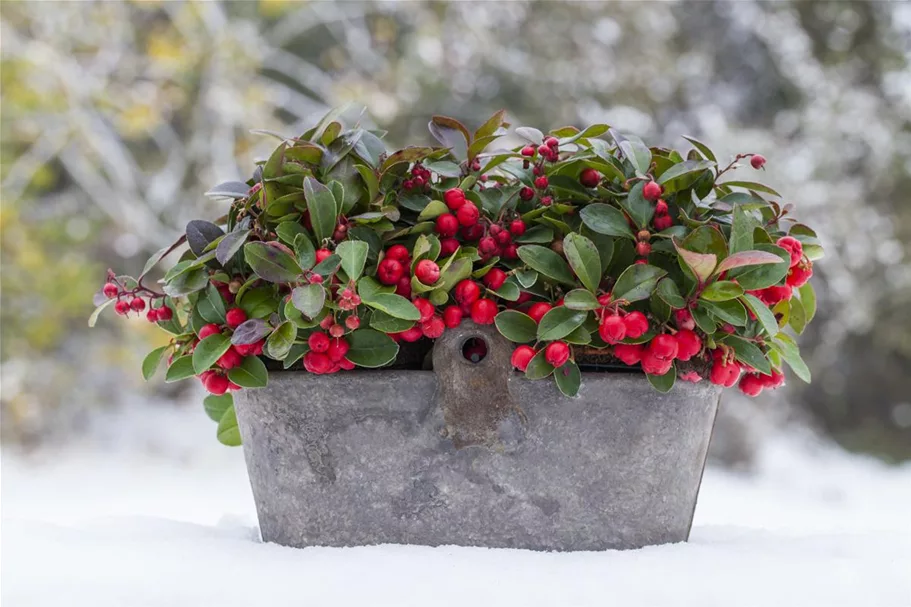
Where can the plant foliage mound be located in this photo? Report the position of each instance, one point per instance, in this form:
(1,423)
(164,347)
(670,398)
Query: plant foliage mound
(584,247)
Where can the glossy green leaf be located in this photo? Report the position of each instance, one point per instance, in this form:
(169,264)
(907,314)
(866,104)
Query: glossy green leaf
(762,313)
(663,383)
(568,378)
(392,304)
(789,351)
(210,350)
(180,368)
(216,405)
(371,349)
(583,259)
(538,367)
(687,167)
(580,299)
(639,209)
(272,262)
(322,208)
(670,294)
(637,282)
(280,341)
(250,374)
(808,299)
(354,257)
(606,219)
(152,361)
(309,299)
(722,290)
(727,311)
(702,265)
(547,262)
(228,433)
(765,275)
(516,326)
(749,353)
(560,322)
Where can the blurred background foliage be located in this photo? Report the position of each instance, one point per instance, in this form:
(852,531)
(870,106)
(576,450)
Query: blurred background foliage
(116,116)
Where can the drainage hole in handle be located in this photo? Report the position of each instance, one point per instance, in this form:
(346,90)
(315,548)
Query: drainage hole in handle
(474,349)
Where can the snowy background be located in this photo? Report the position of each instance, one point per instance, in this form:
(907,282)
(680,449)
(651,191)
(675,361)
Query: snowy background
(117,115)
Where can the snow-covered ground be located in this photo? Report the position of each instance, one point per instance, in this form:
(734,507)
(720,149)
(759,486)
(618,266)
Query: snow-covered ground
(157,516)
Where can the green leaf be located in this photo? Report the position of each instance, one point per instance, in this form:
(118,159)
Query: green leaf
(762,313)
(259,302)
(742,228)
(704,320)
(158,256)
(581,336)
(385,323)
(526,278)
(808,299)
(200,234)
(797,318)
(186,283)
(279,343)
(541,234)
(180,368)
(97,312)
(750,185)
(151,362)
(516,326)
(638,208)
(749,353)
(229,245)
(304,252)
(568,378)
(580,299)
(211,306)
(791,355)
(271,262)
(210,350)
(215,406)
(309,299)
(605,219)
(547,262)
(538,367)
(687,167)
(371,349)
(354,257)
(228,433)
(663,383)
(765,275)
(434,209)
(670,294)
(392,304)
(321,204)
(287,231)
(722,290)
(747,258)
(637,282)
(273,166)
(251,373)
(635,152)
(508,291)
(727,311)
(700,264)
(451,133)
(560,322)
(703,149)
(583,259)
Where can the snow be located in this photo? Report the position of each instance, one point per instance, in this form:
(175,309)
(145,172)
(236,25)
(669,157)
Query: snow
(157,515)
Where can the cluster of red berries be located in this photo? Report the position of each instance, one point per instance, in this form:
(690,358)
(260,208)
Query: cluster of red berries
(214,380)
(131,301)
(800,272)
(348,299)
(498,242)
(327,354)
(419,180)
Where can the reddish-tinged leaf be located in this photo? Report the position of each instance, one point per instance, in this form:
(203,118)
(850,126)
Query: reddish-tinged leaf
(747,258)
(702,264)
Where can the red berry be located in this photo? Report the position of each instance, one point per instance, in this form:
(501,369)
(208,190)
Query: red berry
(317,362)
(556,353)
(209,329)
(488,245)
(654,364)
(541,182)
(433,328)
(230,359)
(504,237)
(318,342)
(521,356)
(138,304)
(336,330)
(403,287)
(776,294)
(467,292)
(454,198)
(337,350)
(152,315)
(643,248)
(590,178)
(413,334)
(315,279)
(528,151)
(612,329)
(216,384)
(552,142)
(352,322)
(538,310)
(452,316)
(346,364)
(664,347)
(662,222)
(483,311)
(688,344)
(684,319)
(651,191)
(800,274)
(425,308)
(724,374)
(792,246)
(757,161)
(775,380)
(447,225)
(468,215)
(110,290)
(472,232)
(448,246)
(510,251)
(165,313)
(526,193)
(517,227)
(389,271)
(690,376)
(630,354)
(322,254)
(751,384)
(427,271)
(636,324)
(660,207)
(235,317)
(398,252)
(494,279)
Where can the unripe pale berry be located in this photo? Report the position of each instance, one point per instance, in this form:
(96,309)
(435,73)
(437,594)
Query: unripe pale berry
(336,330)
(521,356)
(643,248)
(352,322)
(427,271)
(556,353)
